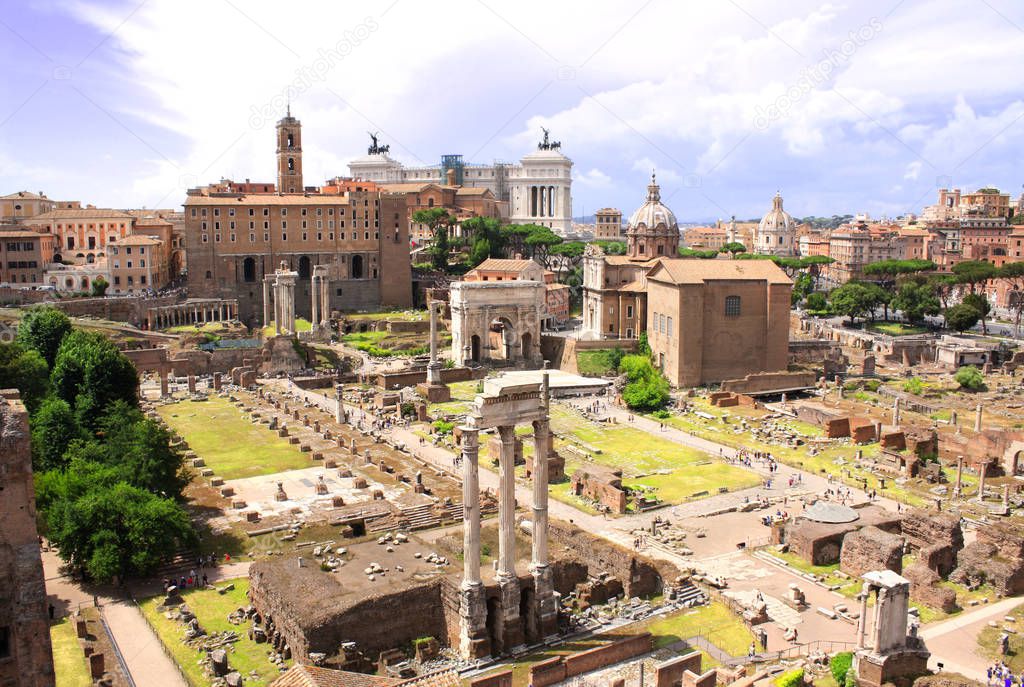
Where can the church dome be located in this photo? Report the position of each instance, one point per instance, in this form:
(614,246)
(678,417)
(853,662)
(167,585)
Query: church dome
(776,219)
(653,215)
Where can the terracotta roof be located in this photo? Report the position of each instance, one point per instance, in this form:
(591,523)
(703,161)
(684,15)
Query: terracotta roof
(409,187)
(315,676)
(635,286)
(471,191)
(23,195)
(83,213)
(137,240)
(150,221)
(503,265)
(683,271)
(626,260)
(4,234)
(271,199)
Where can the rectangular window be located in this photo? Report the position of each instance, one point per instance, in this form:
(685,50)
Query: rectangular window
(266,237)
(284,236)
(732,306)
(629,311)
(303,236)
(284,212)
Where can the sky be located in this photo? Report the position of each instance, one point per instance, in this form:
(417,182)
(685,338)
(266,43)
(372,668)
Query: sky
(869,106)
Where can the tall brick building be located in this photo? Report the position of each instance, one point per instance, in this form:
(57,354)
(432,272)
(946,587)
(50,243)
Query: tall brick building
(234,239)
(25,654)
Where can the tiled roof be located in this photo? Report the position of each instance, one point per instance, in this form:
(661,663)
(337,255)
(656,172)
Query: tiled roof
(82,213)
(137,240)
(503,265)
(683,271)
(150,221)
(4,234)
(471,191)
(23,195)
(271,199)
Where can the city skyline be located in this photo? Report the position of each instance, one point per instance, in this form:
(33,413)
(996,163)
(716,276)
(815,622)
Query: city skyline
(104,107)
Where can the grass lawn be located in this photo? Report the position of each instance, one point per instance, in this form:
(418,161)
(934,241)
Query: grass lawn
(715,622)
(212,610)
(896,328)
(300,324)
(68,659)
(678,472)
(231,446)
(598,363)
(386,344)
(208,327)
(988,642)
(403,315)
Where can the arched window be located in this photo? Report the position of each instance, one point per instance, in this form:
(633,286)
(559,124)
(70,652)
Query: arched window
(304,268)
(249,269)
(357,266)
(732,306)
(209,274)
(291,164)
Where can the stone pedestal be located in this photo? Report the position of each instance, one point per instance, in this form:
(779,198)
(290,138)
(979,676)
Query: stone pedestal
(434,393)
(473,639)
(547,607)
(511,625)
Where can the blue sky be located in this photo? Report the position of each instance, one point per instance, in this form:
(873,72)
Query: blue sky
(869,106)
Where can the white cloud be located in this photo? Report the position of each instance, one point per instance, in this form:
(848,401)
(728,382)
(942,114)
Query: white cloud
(595,178)
(913,170)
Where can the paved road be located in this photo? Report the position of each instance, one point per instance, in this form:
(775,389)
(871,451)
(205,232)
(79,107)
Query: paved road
(953,642)
(140,647)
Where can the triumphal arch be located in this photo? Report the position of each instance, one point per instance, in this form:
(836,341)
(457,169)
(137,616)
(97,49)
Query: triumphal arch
(497,322)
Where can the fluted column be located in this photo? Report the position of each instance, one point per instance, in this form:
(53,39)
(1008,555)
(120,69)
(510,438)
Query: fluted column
(541,434)
(470,506)
(266,302)
(278,307)
(316,302)
(507,503)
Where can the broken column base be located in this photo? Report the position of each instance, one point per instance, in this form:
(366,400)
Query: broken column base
(547,605)
(512,637)
(898,667)
(473,639)
(434,393)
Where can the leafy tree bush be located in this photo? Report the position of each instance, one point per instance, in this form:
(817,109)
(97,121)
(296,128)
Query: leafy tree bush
(962,317)
(970,377)
(647,389)
(979,302)
(916,301)
(24,369)
(872,385)
(643,346)
(54,428)
(443,426)
(840,665)
(89,373)
(43,328)
(99,287)
(661,414)
(792,678)
(913,386)
(816,302)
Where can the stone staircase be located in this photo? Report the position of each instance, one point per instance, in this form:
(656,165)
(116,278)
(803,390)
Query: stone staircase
(689,594)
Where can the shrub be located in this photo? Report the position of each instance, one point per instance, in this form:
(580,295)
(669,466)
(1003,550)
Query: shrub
(443,426)
(872,385)
(408,409)
(816,302)
(850,386)
(912,386)
(970,377)
(793,678)
(840,666)
(661,414)
(647,389)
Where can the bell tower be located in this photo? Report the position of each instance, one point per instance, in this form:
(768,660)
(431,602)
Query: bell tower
(289,154)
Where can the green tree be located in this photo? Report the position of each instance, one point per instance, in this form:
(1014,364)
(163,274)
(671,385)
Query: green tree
(643,346)
(840,665)
(1013,272)
(816,302)
(612,247)
(54,428)
(852,299)
(961,317)
(514,237)
(23,369)
(540,241)
(646,388)
(99,287)
(485,239)
(942,285)
(974,273)
(571,252)
(969,377)
(438,220)
(90,373)
(979,302)
(43,328)
(699,254)
(916,301)
(734,247)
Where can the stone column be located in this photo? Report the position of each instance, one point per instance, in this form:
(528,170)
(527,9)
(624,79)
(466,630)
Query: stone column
(164,387)
(982,469)
(977,418)
(473,637)
(291,308)
(433,367)
(543,586)
(862,622)
(508,583)
(339,408)
(278,307)
(957,490)
(325,303)
(315,297)
(266,302)
(896,412)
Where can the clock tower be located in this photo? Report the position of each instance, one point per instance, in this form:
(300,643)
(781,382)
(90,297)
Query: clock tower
(289,154)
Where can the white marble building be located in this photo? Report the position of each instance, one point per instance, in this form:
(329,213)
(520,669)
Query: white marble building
(538,189)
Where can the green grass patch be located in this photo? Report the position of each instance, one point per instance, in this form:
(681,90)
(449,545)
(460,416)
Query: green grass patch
(300,324)
(598,363)
(68,659)
(988,642)
(896,328)
(232,446)
(375,344)
(212,610)
(715,622)
(403,315)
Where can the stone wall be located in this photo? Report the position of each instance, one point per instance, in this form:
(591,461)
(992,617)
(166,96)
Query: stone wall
(995,557)
(936,536)
(640,576)
(602,486)
(670,673)
(560,668)
(765,382)
(393,380)
(23,615)
(870,548)
(502,679)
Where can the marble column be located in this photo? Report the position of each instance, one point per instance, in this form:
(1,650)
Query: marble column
(982,469)
(278,307)
(266,302)
(339,408)
(433,367)
(543,586)
(291,308)
(325,303)
(896,412)
(862,622)
(957,490)
(977,419)
(474,641)
(315,297)
(508,584)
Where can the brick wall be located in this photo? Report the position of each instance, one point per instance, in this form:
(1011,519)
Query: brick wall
(502,679)
(670,673)
(559,668)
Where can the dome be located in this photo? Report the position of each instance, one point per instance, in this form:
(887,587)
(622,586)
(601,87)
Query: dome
(653,215)
(777,219)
